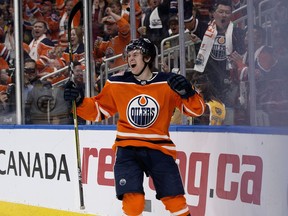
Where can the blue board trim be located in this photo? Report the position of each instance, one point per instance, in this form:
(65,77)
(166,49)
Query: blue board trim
(179,128)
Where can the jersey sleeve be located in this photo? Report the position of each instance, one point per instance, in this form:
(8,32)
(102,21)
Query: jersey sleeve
(99,107)
(124,28)
(194,106)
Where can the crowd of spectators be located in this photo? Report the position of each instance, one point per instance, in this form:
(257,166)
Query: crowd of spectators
(220,47)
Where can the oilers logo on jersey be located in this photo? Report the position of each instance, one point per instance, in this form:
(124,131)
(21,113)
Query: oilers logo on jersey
(142,111)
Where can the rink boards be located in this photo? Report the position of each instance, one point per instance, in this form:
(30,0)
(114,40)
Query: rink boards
(226,171)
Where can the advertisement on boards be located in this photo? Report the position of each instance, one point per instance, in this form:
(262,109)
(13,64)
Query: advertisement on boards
(223,173)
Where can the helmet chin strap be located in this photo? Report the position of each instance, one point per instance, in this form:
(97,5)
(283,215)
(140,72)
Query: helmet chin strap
(137,75)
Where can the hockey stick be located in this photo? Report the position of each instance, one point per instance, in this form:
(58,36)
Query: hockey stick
(75,9)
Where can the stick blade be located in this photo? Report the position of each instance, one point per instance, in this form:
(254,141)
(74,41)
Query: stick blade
(77,7)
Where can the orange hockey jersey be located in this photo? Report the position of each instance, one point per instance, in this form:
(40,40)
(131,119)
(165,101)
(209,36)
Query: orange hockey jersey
(145,109)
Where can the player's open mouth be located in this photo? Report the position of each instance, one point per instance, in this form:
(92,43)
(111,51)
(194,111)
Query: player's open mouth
(133,65)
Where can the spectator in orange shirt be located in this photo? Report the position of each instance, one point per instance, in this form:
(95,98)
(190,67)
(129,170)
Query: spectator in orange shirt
(51,19)
(78,50)
(78,53)
(119,30)
(122,9)
(138,13)
(60,6)
(4,57)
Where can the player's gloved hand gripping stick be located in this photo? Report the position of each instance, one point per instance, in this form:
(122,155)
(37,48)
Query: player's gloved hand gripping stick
(72,93)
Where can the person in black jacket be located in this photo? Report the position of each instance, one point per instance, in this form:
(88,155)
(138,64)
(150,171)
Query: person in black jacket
(221,39)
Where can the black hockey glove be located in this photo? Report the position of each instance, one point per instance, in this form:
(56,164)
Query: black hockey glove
(181,86)
(71,93)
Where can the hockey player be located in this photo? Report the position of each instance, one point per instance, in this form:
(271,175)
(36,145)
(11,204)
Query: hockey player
(145,101)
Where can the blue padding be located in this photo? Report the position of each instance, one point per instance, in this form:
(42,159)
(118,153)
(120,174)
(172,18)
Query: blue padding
(180,128)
